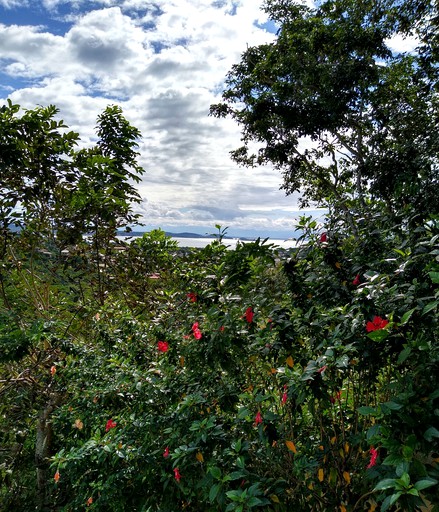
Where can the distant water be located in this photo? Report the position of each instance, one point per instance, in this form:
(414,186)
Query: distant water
(230,243)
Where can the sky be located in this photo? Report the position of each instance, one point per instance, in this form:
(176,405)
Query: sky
(164,63)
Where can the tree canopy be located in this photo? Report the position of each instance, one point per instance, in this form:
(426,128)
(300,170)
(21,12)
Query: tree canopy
(331,105)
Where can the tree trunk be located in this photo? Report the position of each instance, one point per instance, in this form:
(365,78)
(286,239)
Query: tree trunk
(43,446)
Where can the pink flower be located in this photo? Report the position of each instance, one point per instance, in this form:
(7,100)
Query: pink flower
(356,280)
(163,346)
(376,324)
(373,457)
(323,238)
(284,398)
(248,315)
(192,297)
(110,424)
(166,452)
(177,475)
(258,419)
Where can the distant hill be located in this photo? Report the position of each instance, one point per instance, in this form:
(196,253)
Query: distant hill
(178,235)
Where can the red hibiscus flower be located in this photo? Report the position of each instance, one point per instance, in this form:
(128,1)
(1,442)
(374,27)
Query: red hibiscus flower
(166,452)
(356,280)
(373,457)
(162,346)
(258,419)
(323,238)
(177,475)
(196,331)
(376,324)
(110,424)
(248,315)
(192,297)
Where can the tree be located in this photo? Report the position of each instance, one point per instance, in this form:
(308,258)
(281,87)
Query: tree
(51,196)
(344,118)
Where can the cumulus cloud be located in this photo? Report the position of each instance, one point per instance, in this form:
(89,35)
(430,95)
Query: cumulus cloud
(164,62)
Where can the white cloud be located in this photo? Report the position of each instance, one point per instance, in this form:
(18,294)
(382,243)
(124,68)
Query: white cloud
(164,62)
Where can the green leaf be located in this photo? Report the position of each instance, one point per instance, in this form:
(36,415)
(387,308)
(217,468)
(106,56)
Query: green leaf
(402,467)
(234,495)
(235,475)
(404,354)
(393,459)
(430,433)
(430,306)
(366,410)
(215,472)
(387,483)
(243,413)
(254,502)
(434,276)
(394,498)
(404,480)
(213,493)
(406,316)
(423,484)
(379,335)
(393,406)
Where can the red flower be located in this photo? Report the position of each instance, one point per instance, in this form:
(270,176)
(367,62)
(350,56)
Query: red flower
(258,419)
(248,315)
(373,457)
(322,369)
(166,452)
(376,324)
(162,346)
(356,281)
(337,396)
(284,398)
(192,296)
(177,475)
(110,424)
(196,331)
(323,238)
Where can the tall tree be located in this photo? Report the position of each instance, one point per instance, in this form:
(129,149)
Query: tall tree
(328,103)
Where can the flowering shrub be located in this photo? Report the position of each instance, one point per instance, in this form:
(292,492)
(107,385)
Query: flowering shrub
(305,400)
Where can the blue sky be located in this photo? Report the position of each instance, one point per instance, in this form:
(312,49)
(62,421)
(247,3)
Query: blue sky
(164,62)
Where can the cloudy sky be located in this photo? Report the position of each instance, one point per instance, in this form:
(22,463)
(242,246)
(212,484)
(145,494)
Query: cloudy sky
(164,62)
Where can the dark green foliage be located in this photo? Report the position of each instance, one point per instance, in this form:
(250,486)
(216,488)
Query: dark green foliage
(341,115)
